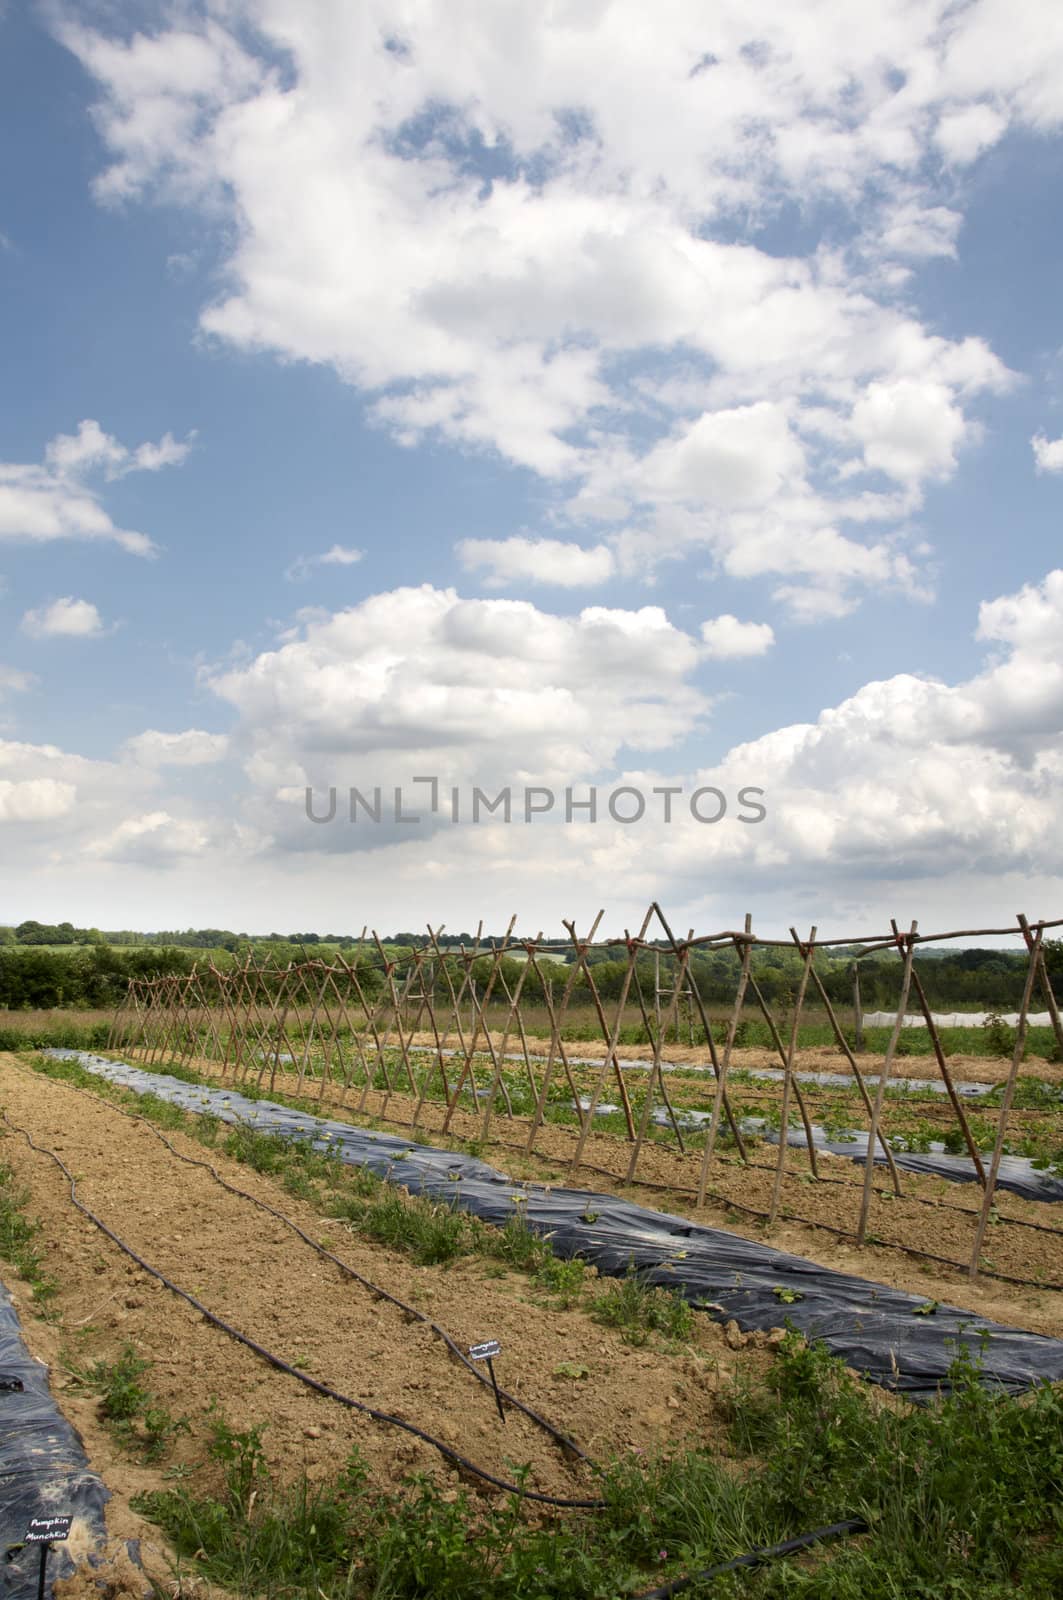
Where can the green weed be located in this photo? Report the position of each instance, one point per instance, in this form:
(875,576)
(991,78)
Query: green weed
(637,1310)
(135,1416)
(18,1233)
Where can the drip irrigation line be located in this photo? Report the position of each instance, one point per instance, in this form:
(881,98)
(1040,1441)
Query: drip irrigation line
(757,1558)
(348,1271)
(278,1362)
(726,1202)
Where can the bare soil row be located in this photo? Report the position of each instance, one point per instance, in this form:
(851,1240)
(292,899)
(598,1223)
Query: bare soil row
(256,1274)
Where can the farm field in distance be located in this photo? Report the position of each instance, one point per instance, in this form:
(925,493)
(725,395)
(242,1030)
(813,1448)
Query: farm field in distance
(269,1362)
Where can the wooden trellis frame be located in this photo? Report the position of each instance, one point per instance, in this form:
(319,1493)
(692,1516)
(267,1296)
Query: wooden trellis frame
(428,1032)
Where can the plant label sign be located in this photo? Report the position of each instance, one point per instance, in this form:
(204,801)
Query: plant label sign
(45,1530)
(487,1352)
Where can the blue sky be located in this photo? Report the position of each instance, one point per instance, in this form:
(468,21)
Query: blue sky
(515,404)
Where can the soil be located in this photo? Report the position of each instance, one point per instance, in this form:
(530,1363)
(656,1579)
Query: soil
(253,1272)
(933,1218)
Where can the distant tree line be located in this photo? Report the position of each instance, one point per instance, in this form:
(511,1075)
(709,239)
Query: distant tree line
(93,969)
(36,978)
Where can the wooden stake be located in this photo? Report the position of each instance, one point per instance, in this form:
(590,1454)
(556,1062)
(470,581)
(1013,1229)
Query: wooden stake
(1005,1104)
(787,1083)
(906,944)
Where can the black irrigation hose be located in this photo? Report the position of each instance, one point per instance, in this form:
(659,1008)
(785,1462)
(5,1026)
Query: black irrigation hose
(756,1558)
(284,1366)
(348,1271)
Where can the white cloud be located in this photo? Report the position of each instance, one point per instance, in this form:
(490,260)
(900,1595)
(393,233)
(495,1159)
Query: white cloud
(1048,453)
(814,602)
(421,681)
(99,784)
(154,839)
(547,561)
(71,454)
(35,800)
(908,779)
(486,241)
(192,748)
(913,229)
(14,681)
(727,639)
(338,555)
(53,501)
(169,452)
(963,135)
(730,458)
(80,818)
(913,796)
(910,429)
(64,619)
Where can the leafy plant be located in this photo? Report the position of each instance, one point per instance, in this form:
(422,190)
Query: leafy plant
(637,1309)
(134,1414)
(999,1037)
(18,1233)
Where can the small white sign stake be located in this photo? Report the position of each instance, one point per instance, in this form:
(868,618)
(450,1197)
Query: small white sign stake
(487,1352)
(42,1531)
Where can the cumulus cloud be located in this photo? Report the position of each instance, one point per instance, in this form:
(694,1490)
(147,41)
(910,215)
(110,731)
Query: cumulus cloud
(546,561)
(192,748)
(910,429)
(54,500)
(35,800)
(913,791)
(914,796)
(420,681)
(727,639)
(14,681)
(338,555)
(731,458)
(1048,453)
(962,135)
(421,669)
(64,619)
(72,454)
(155,839)
(919,231)
(60,777)
(75,820)
(486,242)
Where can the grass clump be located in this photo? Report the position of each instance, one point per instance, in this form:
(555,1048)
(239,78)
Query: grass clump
(431,1233)
(638,1309)
(136,1418)
(18,1238)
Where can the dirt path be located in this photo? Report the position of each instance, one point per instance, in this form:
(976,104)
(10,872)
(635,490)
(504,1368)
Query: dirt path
(254,1273)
